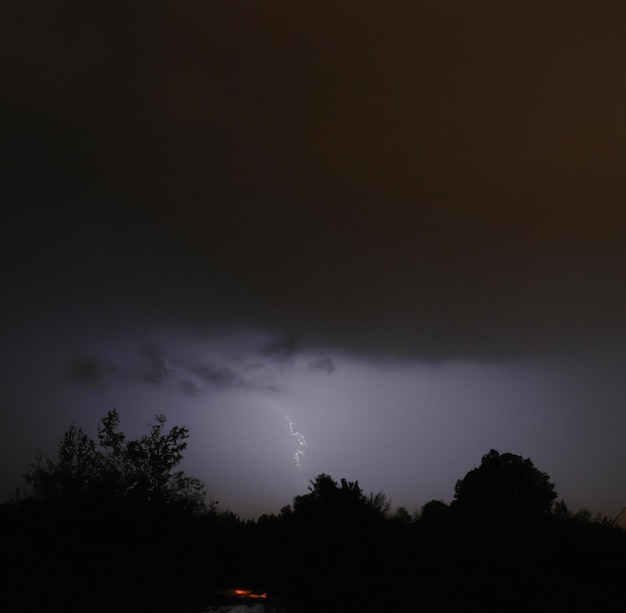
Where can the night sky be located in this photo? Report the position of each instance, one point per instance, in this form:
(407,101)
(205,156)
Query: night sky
(373,239)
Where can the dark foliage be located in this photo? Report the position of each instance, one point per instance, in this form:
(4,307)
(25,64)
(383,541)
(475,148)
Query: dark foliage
(339,503)
(117,471)
(83,542)
(109,523)
(505,487)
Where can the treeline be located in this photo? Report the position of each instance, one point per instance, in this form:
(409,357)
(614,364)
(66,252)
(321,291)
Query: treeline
(111,525)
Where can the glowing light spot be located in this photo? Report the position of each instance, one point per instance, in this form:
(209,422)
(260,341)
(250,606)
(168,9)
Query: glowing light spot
(239,593)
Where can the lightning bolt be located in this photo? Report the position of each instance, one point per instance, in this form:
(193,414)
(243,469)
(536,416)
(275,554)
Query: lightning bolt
(299,453)
(300,442)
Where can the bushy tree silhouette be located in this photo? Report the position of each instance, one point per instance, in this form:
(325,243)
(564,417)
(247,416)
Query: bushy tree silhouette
(115,470)
(435,513)
(328,500)
(343,548)
(504,487)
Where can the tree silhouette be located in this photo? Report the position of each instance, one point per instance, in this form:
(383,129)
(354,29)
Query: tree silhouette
(435,513)
(115,470)
(339,502)
(504,487)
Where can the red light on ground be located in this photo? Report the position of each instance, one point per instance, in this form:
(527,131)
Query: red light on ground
(238,593)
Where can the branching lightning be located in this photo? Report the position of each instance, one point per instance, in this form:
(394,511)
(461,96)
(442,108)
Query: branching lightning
(299,453)
(300,443)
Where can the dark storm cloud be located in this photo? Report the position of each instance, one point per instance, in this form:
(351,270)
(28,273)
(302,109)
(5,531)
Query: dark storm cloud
(433,180)
(190,379)
(281,349)
(197,367)
(323,363)
(159,367)
(217,375)
(91,370)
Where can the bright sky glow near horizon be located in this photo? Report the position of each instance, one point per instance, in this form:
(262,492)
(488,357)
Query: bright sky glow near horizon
(406,427)
(373,241)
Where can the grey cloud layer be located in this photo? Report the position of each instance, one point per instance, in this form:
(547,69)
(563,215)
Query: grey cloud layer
(194,372)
